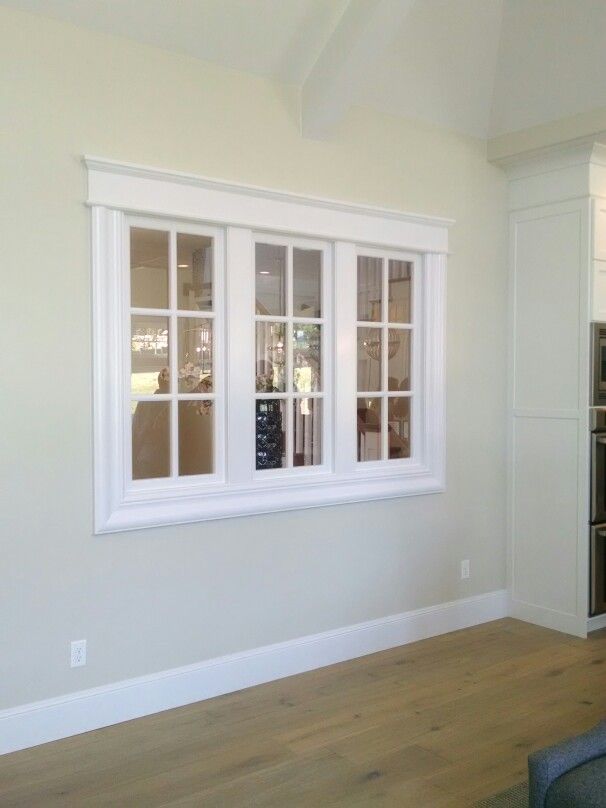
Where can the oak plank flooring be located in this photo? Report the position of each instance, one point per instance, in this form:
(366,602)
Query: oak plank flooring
(441,723)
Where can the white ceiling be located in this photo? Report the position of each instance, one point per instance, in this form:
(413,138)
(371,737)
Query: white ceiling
(483,67)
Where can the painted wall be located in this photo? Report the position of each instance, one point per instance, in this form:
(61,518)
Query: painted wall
(155,599)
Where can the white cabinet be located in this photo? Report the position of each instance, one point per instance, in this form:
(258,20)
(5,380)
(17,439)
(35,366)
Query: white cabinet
(557,205)
(598,246)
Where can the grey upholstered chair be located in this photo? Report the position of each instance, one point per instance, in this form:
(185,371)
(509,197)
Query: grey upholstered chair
(571,773)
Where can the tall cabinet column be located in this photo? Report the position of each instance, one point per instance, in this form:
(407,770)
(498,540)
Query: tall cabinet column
(554,197)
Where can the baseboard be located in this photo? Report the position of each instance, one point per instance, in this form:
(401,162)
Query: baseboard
(44,721)
(596,623)
(548,618)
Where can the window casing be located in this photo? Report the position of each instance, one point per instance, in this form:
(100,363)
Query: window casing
(294,342)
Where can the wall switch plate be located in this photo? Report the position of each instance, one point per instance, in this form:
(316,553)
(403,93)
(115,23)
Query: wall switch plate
(78,653)
(465,569)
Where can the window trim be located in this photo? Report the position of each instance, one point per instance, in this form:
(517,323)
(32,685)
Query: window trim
(117,190)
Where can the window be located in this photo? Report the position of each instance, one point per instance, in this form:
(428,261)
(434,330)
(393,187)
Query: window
(176,381)
(258,351)
(385,339)
(292,354)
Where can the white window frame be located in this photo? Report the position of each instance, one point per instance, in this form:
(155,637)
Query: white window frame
(326,351)
(237,216)
(415,394)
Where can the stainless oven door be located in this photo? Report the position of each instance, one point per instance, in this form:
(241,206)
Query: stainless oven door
(598,569)
(599,364)
(598,477)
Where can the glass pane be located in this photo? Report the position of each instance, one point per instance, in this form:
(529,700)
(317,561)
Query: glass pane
(398,418)
(369,429)
(307,432)
(194,272)
(148,268)
(369,359)
(270,358)
(151,439)
(195,355)
(270,431)
(270,279)
(149,355)
(400,291)
(307,370)
(307,282)
(370,284)
(196,437)
(398,361)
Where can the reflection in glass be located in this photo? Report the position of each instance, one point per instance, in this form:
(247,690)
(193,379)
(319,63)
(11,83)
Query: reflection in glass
(270,434)
(150,439)
(370,284)
(400,291)
(148,268)
(270,279)
(194,272)
(369,429)
(398,361)
(306,344)
(149,355)
(195,355)
(369,359)
(270,357)
(307,432)
(398,418)
(196,437)
(307,282)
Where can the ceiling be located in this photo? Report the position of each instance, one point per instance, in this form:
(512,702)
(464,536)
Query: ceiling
(482,67)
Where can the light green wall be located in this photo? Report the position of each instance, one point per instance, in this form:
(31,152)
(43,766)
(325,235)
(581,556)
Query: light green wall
(155,599)
(584,124)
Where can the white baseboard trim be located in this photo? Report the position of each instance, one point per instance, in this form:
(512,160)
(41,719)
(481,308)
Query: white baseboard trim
(43,721)
(548,618)
(596,623)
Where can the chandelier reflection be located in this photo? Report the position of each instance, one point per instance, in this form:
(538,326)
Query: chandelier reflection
(373,346)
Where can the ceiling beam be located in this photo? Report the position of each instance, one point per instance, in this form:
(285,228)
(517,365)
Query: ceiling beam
(366,28)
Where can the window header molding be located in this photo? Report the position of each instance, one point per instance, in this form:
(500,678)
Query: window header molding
(141,189)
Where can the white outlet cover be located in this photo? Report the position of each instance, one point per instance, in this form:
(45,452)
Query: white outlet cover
(465,569)
(78,653)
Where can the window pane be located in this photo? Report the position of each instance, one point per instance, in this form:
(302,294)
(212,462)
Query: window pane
(400,291)
(307,283)
(196,437)
(148,268)
(194,272)
(370,284)
(151,439)
(398,417)
(369,359)
(270,279)
(398,362)
(149,355)
(307,432)
(270,358)
(195,355)
(369,429)
(270,432)
(307,370)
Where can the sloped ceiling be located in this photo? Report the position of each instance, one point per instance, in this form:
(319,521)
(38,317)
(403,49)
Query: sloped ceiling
(482,67)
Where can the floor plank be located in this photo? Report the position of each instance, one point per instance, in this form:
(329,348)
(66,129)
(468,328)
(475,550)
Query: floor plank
(443,722)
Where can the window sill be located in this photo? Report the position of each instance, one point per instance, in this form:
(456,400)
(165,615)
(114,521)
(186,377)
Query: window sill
(133,514)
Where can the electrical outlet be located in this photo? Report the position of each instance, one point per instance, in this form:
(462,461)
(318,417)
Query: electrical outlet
(78,653)
(465,569)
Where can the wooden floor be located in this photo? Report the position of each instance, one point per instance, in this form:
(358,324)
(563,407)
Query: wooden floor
(443,723)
